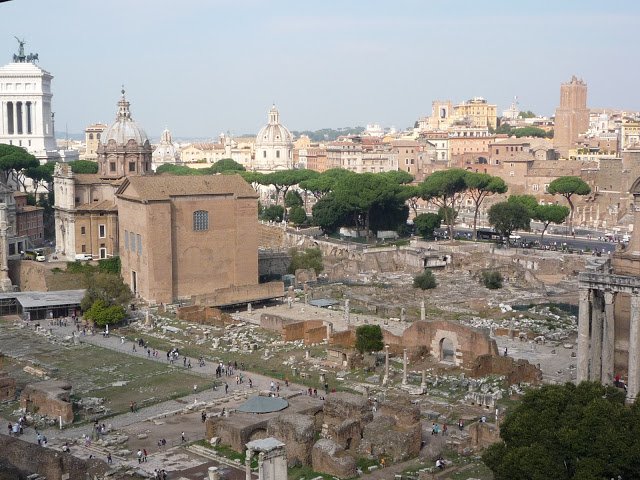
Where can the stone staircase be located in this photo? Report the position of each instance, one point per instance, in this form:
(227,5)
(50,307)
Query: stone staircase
(212,455)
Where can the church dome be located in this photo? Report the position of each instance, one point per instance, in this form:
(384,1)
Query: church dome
(274,133)
(166,151)
(124,128)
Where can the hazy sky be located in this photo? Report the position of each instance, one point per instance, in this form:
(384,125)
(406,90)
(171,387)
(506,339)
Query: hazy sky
(201,67)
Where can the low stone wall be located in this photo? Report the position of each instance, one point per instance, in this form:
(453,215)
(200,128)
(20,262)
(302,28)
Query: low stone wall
(515,371)
(310,331)
(328,457)
(204,315)
(7,387)
(275,323)
(51,398)
(30,458)
(241,294)
(235,434)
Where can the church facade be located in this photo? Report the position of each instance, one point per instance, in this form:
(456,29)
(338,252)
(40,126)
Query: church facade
(273,146)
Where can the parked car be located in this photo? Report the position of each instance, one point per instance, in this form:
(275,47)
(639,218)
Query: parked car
(83,257)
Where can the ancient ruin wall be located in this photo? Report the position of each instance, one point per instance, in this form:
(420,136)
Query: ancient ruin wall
(515,371)
(51,397)
(52,464)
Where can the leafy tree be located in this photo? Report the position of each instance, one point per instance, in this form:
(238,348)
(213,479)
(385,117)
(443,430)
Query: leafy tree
(528,201)
(110,265)
(492,279)
(328,214)
(297,215)
(479,187)
(274,213)
(390,215)
(425,281)
(369,338)
(568,187)
(411,193)
(504,128)
(103,314)
(550,133)
(527,114)
(106,287)
(363,194)
(548,214)
(529,132)
(509,216)
(321,184)
(328,134)
(179,170)
(255,179)
(41,175)
(293,199)
(14,162)
(568,432)
(226,165)
(83,166)
(445,188)
(398,176)
(309,258)
(426,223)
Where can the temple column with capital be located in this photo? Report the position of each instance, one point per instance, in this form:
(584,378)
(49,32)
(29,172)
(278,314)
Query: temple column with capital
(5,281)
(608,337)
(247,464)
(595,372)
(633,384)
(584,318)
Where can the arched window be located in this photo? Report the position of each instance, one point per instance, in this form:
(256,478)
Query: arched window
(200,220)
(91,136)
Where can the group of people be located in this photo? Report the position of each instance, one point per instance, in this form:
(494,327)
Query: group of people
(435,429)
(17,428)
(228,369)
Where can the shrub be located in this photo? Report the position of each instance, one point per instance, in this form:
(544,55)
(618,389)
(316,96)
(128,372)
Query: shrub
(310,258)
(369,338)
(110,265)
(80,267)
(492,279)
(425,280)
(273,213)
(297,215)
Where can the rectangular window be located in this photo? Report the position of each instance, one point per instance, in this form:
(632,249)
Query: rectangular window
(82,230)
(139,244)
(102,231)
(83,249)
(132,166)
(512,173)
(112,166)
(534,187)
(126,240)
(200,220)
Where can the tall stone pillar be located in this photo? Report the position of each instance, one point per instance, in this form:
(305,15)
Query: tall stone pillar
(423,312)
(584,318)
(595,372)
(608,336)
(633,384)
(347,313)
(385,379)
(404,366)
(5,281)
(247,464)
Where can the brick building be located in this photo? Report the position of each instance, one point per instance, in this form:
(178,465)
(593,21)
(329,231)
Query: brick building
(184,236)
(29,219)
(572,116)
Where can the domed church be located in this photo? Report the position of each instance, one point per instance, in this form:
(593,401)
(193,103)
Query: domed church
(86,215)
(274,145)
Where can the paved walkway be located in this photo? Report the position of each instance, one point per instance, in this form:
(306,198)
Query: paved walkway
(133,423)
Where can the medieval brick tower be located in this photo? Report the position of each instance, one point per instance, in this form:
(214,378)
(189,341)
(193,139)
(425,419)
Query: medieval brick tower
(572,116)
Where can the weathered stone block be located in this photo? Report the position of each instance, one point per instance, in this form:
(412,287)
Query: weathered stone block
(297,432)
(327,457)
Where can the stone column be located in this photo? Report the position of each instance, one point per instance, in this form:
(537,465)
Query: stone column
(595,372)
(403,315)
(385,379)
(423,383)
(347,313)
(404,366)
(423,312)
(15,118)
(247,464)
(5,281)
(584,317)
(608,336)
(249,307)
(633,384)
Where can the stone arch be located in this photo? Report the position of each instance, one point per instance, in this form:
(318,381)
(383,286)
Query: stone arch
(446,350)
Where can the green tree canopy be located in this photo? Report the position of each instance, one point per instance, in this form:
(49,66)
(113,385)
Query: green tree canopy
(426,223)
(226,165)
(14,162)
(425,281)
(328,214)
(528,201)
(568,432)
(527,114)
(509,216)
(171,169)
(548,214)
(297,215)
(568,187)
(41,175)
(103,314)
(369,338)
(321,184)
(479,187)
(444,188)
(273,213)
(308,258)
(83,166)
(107,287)
(411,194)
(529,132)
(293,199)
(398,176)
